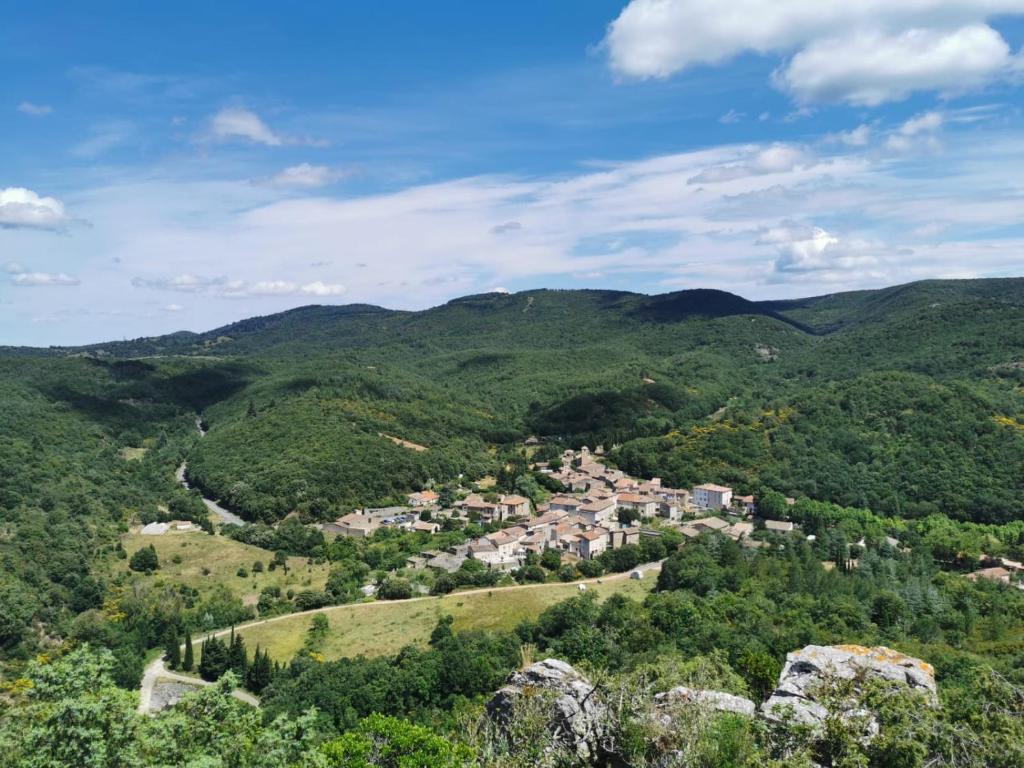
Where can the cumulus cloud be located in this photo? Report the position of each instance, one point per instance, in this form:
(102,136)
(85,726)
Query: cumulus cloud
(239,123)
(863,52)
(871,67)
(23,208)
(36,110)
(43,279)
(778,158)
(802,248)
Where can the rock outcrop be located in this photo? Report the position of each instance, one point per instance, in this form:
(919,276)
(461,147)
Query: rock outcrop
(717,701)
(806,670)
(577,718)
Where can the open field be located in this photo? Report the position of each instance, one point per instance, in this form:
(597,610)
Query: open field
(378,628)
(221,558)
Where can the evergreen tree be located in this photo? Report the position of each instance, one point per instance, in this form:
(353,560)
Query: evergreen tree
(216,659)
(237,662)
(172,651)
(260,672)
(190,661)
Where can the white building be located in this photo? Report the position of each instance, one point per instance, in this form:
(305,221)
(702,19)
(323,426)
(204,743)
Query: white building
(711,496)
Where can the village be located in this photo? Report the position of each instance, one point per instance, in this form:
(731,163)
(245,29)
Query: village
(602,508)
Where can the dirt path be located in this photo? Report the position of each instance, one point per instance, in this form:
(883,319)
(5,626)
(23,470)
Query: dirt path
(647,568)
(157,670)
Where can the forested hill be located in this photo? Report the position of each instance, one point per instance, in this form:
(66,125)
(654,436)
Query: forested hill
(907,399)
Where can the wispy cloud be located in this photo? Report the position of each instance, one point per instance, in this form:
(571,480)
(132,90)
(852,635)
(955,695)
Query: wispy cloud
(36,110)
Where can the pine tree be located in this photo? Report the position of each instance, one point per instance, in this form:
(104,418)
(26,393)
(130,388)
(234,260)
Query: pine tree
(190,660)
(172,651)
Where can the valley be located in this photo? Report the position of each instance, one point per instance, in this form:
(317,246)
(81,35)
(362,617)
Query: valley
(347,498)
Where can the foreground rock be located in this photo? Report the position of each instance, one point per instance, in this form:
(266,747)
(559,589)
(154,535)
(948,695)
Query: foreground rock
(716,701)
(809,669)
(577,719)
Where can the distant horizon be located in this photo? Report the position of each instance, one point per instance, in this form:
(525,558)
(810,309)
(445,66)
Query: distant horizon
(185,164)
(341,305)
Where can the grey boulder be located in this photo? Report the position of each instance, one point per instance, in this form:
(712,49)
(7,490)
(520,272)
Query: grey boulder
(808,669)
(577,717)
(717,701)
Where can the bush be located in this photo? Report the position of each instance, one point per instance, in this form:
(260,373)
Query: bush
(395,588)
(144,560)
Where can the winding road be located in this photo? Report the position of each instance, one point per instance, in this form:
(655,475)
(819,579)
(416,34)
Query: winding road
(226,517)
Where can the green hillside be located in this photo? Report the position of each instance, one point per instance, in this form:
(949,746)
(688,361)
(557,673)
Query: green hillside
(906,400)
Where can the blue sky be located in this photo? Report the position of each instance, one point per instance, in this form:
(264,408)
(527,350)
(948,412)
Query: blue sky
(179,166)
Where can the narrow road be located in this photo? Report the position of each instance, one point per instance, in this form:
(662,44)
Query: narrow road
(226,517)
(649,568)
(157,670)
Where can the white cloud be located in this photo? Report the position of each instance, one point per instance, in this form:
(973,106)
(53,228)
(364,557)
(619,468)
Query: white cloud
(319,288)
(779,158)
(237,289)
(871,67)
(185,283)
(240,123)
(306,175)
(13,268)
(918,131)
(172,308)
(36,110)
(23,208)
(863,52)
(730,117)
(40,279)
(497,289)
(855,137)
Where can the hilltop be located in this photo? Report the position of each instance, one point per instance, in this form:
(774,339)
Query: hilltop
(905,399)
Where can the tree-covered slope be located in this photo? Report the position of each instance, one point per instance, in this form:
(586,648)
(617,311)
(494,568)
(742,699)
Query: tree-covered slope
(812,396)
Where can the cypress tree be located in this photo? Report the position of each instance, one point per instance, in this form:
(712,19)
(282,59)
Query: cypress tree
(237,661)
(172,651)
(190,660)
(260,672)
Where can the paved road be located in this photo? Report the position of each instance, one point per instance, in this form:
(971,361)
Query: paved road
(227,518)
(156,670)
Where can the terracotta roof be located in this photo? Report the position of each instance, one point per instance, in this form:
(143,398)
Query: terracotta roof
(713,487)
(636,498)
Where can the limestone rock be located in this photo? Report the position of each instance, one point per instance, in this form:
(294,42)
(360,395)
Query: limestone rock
(809,667)
(718,701)
(577,718)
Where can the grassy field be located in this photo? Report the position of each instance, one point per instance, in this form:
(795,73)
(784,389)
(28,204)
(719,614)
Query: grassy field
(377,628)
(206,561)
